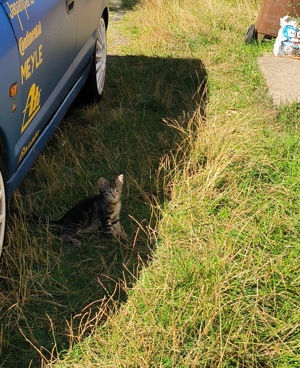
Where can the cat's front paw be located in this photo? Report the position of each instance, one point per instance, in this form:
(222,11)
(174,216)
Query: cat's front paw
(76,242)
(121,234)
(109,234)
(69,239)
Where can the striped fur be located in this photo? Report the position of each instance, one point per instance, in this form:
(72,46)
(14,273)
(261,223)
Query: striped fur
(98,213)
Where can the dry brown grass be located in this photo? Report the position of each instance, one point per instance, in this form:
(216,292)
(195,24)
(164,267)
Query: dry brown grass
(214,178)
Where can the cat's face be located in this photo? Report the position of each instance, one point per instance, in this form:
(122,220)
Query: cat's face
(111,189)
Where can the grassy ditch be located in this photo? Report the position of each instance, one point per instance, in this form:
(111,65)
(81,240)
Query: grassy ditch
(211,207)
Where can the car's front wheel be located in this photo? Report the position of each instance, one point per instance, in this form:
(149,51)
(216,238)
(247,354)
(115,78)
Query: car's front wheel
(93,90)
(2,207)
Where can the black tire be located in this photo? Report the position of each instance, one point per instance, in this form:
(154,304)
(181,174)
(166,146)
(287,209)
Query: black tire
(3,205)
(93,89)
(251,34)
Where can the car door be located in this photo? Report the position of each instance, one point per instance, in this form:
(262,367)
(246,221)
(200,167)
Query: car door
(45,31)
(89,12)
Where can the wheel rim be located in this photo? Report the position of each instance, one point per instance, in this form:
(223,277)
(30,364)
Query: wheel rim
(2,211)
(100,56)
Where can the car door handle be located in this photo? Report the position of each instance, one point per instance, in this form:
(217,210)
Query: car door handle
(70,5)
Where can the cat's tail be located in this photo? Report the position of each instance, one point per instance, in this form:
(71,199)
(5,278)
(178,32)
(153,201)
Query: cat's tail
(56,222)
(45,221)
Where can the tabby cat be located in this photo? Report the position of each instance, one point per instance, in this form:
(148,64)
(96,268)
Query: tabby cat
(97,213)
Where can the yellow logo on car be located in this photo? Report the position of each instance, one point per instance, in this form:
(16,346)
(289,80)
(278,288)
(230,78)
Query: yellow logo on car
(33,104)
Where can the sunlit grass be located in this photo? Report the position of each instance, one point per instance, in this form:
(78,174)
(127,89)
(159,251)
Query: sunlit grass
(209,276)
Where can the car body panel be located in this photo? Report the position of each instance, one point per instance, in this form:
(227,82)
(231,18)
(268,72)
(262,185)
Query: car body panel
(47,51)
(10,114)
(42,138)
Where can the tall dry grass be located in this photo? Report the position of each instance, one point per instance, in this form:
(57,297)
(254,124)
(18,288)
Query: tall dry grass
(221,289)
(211,271)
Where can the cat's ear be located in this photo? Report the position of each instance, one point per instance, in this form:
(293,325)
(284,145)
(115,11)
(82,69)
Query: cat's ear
(102,182)
(120,178)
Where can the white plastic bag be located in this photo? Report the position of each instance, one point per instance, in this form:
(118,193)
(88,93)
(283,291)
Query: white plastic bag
(288,40)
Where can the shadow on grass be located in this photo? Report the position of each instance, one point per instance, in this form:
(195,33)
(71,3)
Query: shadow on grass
(52,293)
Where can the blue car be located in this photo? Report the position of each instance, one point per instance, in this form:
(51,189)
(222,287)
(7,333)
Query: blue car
(49,51)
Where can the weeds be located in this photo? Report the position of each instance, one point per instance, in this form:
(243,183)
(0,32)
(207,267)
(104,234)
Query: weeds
(210,205)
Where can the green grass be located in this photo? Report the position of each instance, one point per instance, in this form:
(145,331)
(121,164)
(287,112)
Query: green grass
(48,283)
(209,276)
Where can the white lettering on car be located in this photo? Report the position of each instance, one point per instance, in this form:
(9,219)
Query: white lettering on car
(18,7)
